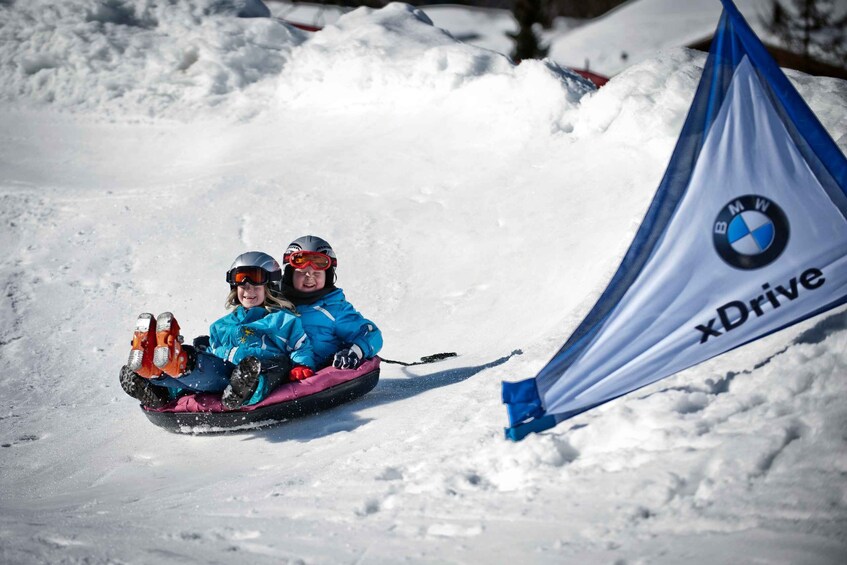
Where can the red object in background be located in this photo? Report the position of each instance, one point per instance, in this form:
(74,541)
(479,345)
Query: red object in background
(598,80)
(304,27)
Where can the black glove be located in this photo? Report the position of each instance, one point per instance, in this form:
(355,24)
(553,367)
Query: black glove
(348,358)
(201,343)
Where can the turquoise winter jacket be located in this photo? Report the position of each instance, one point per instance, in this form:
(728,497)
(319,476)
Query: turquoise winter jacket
(333,324)
(261,334)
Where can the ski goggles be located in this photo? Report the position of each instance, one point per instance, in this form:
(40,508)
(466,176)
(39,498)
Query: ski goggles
(256,276)
(302,259)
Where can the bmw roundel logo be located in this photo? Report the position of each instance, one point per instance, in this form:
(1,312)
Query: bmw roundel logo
(750,232)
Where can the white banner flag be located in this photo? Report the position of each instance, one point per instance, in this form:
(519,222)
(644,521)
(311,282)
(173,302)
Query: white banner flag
(747,234)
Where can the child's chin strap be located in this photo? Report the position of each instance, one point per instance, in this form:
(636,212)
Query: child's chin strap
(425,359)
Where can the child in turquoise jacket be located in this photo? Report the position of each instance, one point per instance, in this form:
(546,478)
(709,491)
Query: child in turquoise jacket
(247,354)
(340,335)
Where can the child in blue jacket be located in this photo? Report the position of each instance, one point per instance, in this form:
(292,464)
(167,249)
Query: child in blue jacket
(247,354)
(340,335)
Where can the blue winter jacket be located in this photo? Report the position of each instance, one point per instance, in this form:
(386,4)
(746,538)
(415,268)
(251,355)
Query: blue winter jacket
(333,324)
(262,334)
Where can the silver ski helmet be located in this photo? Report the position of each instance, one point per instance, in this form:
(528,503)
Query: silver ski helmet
(255,267)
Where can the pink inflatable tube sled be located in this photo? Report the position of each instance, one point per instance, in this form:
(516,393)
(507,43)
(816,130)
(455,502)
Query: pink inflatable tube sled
(203,412)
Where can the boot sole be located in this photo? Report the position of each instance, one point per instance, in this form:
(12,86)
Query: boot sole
(244,385)
(162,354)
(142,328)
(139,388)
(250,368)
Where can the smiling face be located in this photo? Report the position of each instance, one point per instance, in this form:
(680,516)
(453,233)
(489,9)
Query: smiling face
(250,296)
(309,280)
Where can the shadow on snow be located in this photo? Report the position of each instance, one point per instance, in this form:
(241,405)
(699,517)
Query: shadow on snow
(344,418)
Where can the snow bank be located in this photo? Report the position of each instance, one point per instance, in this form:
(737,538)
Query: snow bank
(394,59)
(135,58)
(128,58)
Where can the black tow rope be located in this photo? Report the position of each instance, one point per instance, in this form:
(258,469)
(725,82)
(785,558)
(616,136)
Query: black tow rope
(424,360)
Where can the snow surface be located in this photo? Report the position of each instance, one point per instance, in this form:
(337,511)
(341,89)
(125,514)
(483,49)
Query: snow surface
(635,30)
(475,206)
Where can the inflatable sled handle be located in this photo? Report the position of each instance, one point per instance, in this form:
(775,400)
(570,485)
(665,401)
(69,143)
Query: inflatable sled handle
(424,360)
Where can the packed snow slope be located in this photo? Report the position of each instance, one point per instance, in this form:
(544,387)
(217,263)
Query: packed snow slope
(475,206)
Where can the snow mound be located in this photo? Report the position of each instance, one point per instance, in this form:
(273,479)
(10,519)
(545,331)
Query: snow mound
(137,57)
(649,100)
(395,59)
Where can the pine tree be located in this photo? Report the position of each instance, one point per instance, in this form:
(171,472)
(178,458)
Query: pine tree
(527,13)
(812,28)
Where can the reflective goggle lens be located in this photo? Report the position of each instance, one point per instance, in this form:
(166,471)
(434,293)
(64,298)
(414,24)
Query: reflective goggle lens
(302,259)
(253,275)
